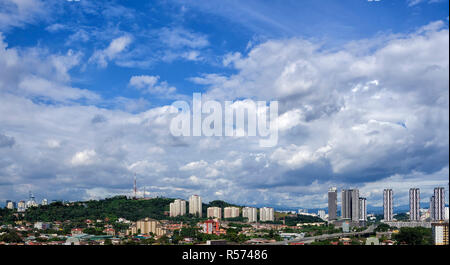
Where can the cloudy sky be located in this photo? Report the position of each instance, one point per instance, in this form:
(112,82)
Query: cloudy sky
(86,88)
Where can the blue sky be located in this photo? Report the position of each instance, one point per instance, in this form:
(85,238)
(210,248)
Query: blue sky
(85,88)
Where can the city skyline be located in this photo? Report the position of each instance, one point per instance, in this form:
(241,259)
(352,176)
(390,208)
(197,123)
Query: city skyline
(349,209)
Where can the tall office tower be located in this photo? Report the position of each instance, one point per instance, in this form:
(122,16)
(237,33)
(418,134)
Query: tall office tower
(332,203)
(177,208)
(388,204)
(266,214)
(195,205)
(250,213)
(350,204)
(439,204)
(362,209)
(414,204)
(431,209)
(230,212)
(214,212)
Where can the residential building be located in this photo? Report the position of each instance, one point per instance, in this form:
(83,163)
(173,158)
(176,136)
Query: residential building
(42,225)
(300,211)
(214,212)
(332,204)
(446,213)
(177,208)
(388,205)
(211,227)
(414,204)
(362,209)
(440,233)
(195,205)
(350,204)
(321,214)
(250,213)
(431,208)
(76,231)
(10,205)
(44,202)
(230,212)
(266,214)
(147,226)
(438,204)
(21,206)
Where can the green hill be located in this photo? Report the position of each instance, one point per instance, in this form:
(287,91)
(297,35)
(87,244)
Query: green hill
(111,208)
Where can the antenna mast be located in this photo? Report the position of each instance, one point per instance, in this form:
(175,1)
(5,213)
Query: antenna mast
(135,188)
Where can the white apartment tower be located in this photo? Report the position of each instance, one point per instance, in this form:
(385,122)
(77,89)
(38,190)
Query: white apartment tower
(21,206)
(388,204)
(177,208)
(195,205)
(250,213)
(230,212)
(214,212)
(362,209)
(10,205)
(266,214)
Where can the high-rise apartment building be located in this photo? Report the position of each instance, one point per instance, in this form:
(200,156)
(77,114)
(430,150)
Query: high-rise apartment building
(440,233)
(266,214)
(414,204)
(230,212)
(332,204)
(321,214)
(21,206)
(195,205)
(10,205)
(147,226)
(214,212)
(350,204)
(362,209)
(177,208)
(437,204)
(388,205)
(250,213)
(431,209)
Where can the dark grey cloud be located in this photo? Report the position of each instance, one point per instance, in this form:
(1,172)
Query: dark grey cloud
(6,141)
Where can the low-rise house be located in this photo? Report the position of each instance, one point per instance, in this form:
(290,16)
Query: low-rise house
(76,231)
(110,231)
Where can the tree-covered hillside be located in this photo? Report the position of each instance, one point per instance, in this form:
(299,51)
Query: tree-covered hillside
(112,208)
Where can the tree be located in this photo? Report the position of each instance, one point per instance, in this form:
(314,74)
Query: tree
(163,240)
(382,228)
(414,236)
(11,237)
